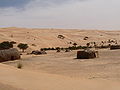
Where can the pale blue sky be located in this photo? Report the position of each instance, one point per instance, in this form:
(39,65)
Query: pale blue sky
(13,3)
(79,14)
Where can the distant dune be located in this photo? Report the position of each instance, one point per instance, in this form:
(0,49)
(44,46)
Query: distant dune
(41,38)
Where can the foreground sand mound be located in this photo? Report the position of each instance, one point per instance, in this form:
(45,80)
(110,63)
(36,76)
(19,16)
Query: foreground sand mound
(29,80)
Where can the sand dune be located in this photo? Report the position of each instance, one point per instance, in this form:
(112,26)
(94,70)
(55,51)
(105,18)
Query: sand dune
(51,71)
(48,37)
(29,80)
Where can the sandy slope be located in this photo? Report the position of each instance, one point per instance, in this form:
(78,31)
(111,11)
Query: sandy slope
(7,87)
(29,80)
(48,37)
(106,67)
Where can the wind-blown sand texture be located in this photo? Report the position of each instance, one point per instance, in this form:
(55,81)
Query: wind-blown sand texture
(7,87)
(106,67)
(48,37)
(29,80)
(60,71)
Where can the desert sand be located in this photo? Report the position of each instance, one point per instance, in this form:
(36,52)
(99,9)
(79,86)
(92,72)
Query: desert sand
(49,37)
(7,87)
(60,71)
(29,80)
(106,67)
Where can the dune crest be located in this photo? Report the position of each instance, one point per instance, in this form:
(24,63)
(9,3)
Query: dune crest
(41,38)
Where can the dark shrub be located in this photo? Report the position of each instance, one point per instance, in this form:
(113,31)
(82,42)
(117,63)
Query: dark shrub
(13,42)
(19,65)
(67,50)
(75,44)
(57,48)
(85,38)
(22,46)
(6,45)
(112,47)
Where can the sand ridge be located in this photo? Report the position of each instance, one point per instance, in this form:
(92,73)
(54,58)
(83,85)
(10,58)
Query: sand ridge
(48,37)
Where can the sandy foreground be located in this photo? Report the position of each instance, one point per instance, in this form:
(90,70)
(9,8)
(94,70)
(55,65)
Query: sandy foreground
(29,80)
(7,87)
(106,67)
(61,71)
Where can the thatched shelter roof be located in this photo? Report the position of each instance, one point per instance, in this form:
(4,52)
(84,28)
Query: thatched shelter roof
(87,54)
(9,54)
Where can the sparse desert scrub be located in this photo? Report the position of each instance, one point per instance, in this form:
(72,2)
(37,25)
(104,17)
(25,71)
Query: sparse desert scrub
(64,48)
(112,47)
(13,42)
(22,46)
(85,38)
(19,65)
(34,45)
(6,45)
(47,49)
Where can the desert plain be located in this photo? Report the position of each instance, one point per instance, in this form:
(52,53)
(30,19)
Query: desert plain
(60,71)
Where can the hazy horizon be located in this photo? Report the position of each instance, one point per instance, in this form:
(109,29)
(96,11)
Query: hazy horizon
(68,14)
